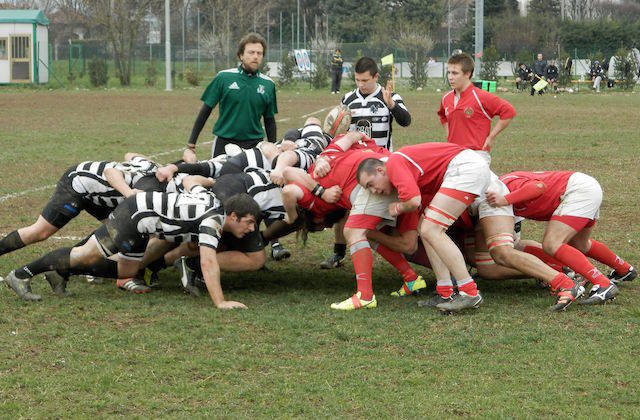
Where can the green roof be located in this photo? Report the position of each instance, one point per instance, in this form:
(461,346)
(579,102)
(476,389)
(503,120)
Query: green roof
(23,16)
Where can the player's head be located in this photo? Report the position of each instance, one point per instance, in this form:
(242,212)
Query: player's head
(291,134)
(459,70)
(372,175)
(337,120)
(251,51)
(243,215)
(521,65)
(539,56)
(366,75)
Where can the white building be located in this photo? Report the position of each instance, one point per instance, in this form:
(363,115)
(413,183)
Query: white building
(24,46)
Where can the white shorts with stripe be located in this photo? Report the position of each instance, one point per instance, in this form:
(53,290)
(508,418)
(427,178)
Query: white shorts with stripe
(481,208)
(467,172)
(582,198)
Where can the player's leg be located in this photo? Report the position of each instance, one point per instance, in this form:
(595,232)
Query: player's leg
(339,247)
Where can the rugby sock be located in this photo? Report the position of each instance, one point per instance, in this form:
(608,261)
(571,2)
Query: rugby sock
(55,260)
(105,268)
(398,261)
(468,286)
(444,288)
(157,265)
(11,242)
(600,252)
(340,249)
(543,256)
(561,281)
(576,260)
(362,258)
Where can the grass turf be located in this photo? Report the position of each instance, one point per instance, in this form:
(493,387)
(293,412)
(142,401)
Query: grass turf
(103,352)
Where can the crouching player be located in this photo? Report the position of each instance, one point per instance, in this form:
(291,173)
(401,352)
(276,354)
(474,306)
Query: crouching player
(570,202)
(454,177)
(196,216)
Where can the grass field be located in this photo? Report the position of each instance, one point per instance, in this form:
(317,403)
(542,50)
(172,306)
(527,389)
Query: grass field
(103,352)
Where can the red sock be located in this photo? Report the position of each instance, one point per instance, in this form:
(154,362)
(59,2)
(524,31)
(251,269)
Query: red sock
(561,281)
(397,260)
(576,260)
(468,286)
(544,257)
(601,252)
(362,258)
(444,291)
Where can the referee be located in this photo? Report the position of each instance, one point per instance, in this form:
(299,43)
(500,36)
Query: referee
(245,95)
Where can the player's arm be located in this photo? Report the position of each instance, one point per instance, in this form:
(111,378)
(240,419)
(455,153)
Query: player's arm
(270,128)
(404,243)
(528,191)
(295,175)
(503,109)
(291,193)
(396,105)
(192,180)
(189,154)
(285,160)
(211,274)
(115,178)
(399,207)
(345,142)
(443,118)
(408,190)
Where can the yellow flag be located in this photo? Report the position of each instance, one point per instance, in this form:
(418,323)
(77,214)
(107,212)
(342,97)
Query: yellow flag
(387,60)
(540,85)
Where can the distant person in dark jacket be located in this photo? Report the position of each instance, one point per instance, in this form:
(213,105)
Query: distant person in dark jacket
(596,74)
(336,71)
(539,69)
(524,76)
(551,74)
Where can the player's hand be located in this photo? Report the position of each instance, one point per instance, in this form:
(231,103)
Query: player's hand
(496,200)
(321,168)
(332,194)
(289,219)
(276,177)
(394,208)
(133,191)
(230,304)
(189,156)
(165,173)
(487,143)
(386,95)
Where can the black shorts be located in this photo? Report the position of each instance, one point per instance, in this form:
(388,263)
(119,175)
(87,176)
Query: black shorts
(120,234)
(250,243)
(219,142)
(65,203)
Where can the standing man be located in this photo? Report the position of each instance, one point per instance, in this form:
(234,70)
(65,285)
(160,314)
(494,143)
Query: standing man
(373,109)
(336,71)
(539,70)
(245,95)
(466,111)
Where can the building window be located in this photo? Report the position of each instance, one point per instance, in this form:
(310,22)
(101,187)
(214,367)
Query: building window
(3,48)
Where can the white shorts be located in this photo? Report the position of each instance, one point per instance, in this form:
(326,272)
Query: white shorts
(582,198)
(485,155)
(365,204)
(481,208)
(467,172)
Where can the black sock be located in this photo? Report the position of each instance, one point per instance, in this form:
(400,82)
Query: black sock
(11,242)
(340,249)
(55,260)
(157,265)
(105,268)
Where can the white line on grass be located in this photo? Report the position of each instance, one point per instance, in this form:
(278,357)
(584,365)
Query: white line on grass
(47,187)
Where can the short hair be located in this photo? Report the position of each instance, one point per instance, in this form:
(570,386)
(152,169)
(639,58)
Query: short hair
(366,64)
(251,38)
(368,166)
(291,134)
(464,60)
(242,205)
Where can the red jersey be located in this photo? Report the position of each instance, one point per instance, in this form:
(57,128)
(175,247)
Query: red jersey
(364,143)
(543,206)
(470,119)
(318,207)
(419,169)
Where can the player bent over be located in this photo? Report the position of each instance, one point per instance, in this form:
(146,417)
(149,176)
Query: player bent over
(454,177)
(570,202)
(196,216)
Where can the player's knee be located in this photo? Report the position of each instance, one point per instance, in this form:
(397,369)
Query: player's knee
(550,245)
(502,255)
(354,235)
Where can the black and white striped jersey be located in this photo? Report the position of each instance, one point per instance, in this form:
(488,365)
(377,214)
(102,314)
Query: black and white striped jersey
(256,183)
(197,216)
(371,116)
(250,159)
(88,179)
(311,143)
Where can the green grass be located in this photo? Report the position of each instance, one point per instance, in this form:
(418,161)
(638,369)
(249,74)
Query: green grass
(107,353)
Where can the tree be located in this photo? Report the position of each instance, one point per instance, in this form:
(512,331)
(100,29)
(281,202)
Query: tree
(121,20)
(416,43)
(490,60)
(544,7)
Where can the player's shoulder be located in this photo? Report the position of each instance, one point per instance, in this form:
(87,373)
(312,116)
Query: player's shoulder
(267,78)
(226,74)
(349,97)
(447,95)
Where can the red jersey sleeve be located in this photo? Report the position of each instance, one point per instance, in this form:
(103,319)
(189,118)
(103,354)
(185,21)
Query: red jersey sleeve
(403,179)
(307,198)
(528,191)
(494,105)
(441,114)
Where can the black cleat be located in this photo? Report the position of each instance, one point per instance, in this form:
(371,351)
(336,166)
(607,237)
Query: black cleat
(334,261)
(57,282)
(600,295)
(21,287)
(187,277)
(279,253)
(619,278)
(434,301)
(567,296)
(460,302)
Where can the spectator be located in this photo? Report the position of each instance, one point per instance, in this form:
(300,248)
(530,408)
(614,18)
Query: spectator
(336,71)
(539,69)
(524,76)
(551,74)
(596,74)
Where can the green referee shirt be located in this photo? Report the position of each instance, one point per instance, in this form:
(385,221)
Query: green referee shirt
(244,99)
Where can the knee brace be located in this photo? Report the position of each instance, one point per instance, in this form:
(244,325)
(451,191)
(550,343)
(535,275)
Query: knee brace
(500,239)
(439,217)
